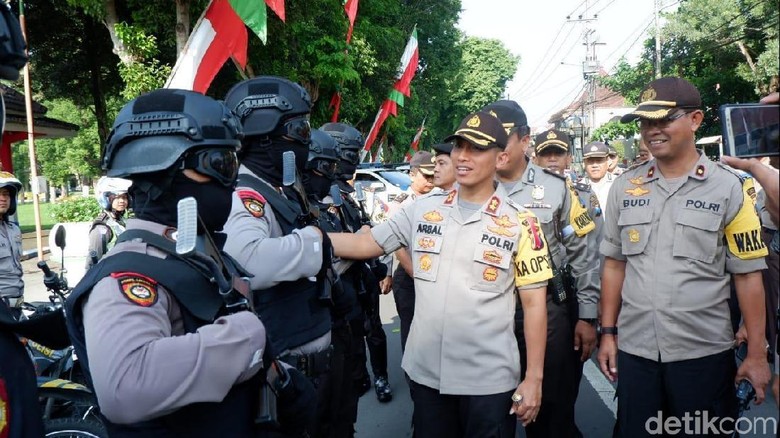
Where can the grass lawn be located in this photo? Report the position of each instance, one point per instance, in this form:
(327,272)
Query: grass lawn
(27,217)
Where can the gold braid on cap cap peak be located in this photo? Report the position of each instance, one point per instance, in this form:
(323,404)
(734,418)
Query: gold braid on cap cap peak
(469,133)
(657,114)
(555,141)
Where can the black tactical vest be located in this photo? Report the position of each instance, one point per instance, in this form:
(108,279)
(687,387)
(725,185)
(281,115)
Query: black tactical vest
(200,304)
(291,311)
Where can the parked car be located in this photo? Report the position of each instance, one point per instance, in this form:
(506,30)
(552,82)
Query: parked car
(381,186)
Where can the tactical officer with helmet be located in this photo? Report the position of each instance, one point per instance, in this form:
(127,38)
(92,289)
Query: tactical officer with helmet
(366,276)
(11,283)
(165,346)
(272,230)
(573,292)
(111,194)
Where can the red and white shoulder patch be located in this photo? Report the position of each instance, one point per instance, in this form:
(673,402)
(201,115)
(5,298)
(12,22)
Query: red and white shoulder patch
(253,202)
(137,288)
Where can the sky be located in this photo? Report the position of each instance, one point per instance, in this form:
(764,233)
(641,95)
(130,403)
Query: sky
(539,33)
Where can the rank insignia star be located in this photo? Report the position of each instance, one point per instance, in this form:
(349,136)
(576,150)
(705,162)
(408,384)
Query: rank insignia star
(700,170)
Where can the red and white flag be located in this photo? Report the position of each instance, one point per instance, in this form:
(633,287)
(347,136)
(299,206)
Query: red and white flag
(416,140)
(407,69)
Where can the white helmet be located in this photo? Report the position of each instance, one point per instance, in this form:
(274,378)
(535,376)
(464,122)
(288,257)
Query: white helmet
(7,179)
(107,187)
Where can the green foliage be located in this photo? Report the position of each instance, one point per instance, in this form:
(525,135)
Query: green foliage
(143,77)
(76,209)
(482,82)
(614,130)
(26,216)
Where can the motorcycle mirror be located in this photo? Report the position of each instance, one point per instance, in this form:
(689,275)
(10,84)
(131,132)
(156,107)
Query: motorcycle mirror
(186,226)
(59,237)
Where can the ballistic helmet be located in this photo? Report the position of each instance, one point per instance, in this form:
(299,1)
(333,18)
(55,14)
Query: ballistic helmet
(153,131)
(9,181)
(266,105)
(107,188)
(324,154)
(347,137)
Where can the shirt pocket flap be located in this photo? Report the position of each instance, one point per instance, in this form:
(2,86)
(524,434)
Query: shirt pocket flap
(635,217)
(700,220)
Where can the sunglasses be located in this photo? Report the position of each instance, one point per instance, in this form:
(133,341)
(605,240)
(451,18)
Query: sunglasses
(664,122)
(297,128)
(350,156)
(324,167)
(220,164)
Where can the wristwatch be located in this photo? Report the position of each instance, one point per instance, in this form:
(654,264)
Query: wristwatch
(608,331)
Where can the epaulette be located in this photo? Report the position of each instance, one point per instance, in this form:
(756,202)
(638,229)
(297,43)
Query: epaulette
(514,204)
(553,173)
(401,198)
(742,175)
(581,186)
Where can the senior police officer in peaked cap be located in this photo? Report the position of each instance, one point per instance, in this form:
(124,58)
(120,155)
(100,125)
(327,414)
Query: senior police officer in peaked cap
(472,248)
(272,229)
(571,317)
(151,330)
(677,229)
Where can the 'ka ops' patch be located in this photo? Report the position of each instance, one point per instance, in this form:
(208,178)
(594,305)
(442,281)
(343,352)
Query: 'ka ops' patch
(253,202)
(137,288)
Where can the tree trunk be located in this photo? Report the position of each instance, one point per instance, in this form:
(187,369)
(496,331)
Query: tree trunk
(110,21)
(747,56)
(182,24)
(96,84)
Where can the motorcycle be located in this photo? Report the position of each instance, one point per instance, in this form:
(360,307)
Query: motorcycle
(69,408)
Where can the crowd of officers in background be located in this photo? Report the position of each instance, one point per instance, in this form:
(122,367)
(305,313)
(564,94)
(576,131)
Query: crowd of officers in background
(538,262)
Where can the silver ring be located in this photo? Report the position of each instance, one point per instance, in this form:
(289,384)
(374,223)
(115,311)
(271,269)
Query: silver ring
(517,398)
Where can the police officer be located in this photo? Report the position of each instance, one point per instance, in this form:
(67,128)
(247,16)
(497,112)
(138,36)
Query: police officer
(111,194)
(354,216)
(677,228)
(443,170)
(613,160)
(11,283)
(471,248)
(150,327)
(271,229)
(571,308)
(596,163)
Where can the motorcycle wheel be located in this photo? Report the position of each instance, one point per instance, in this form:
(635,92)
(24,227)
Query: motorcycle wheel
(74,428)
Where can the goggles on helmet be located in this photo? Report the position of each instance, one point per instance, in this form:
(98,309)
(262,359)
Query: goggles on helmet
(220,164)
(297,128)
(325,167)
(350,156)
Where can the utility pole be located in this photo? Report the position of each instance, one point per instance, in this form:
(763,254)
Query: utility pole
(590,71)
(657,39)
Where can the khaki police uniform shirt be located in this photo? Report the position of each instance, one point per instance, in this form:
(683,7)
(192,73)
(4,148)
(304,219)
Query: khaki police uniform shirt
(680,247)
(466,269)
(564,223)
(11,283)
(255,240)
(143,365)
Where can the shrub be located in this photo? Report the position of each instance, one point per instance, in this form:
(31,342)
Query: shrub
(76,209)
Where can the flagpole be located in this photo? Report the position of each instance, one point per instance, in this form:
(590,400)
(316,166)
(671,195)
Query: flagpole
(31,137)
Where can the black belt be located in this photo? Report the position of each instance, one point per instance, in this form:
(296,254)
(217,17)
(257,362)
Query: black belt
(312,364)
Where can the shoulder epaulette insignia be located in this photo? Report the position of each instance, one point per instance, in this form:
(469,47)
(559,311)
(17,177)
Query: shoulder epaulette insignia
(137,288)
(401,198)
(253,202)
(555,174)
(582,187)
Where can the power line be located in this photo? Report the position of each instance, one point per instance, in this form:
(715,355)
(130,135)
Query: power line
(539,65)
(605,7)
(538,74)
(579,85)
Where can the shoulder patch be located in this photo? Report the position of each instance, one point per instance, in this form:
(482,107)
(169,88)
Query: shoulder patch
(253,202)
(555,174)
(137,288)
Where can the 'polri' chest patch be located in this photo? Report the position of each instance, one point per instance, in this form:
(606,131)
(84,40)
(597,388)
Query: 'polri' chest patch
(137,288)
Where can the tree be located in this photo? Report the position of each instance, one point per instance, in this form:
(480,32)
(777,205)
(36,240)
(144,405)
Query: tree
(614,130)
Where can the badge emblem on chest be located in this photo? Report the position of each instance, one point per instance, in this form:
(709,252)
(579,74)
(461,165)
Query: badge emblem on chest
(426,243)
(538,192)
(637,191)
(490,274)
(426,262)
(433,216)
(633,235)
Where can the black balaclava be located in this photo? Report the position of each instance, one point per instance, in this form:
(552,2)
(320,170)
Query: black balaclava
(346,170)
(317,185)
(151,202)
(264,157)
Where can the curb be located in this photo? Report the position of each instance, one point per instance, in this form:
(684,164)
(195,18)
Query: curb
(32,253)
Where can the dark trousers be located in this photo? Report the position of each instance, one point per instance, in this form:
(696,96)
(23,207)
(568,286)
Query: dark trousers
(453,416)
(403,292)
(562,373)
(376,339)
(342,414)
(771,277)
(684,389)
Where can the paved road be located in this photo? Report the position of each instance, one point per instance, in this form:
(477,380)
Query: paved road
(595,405)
